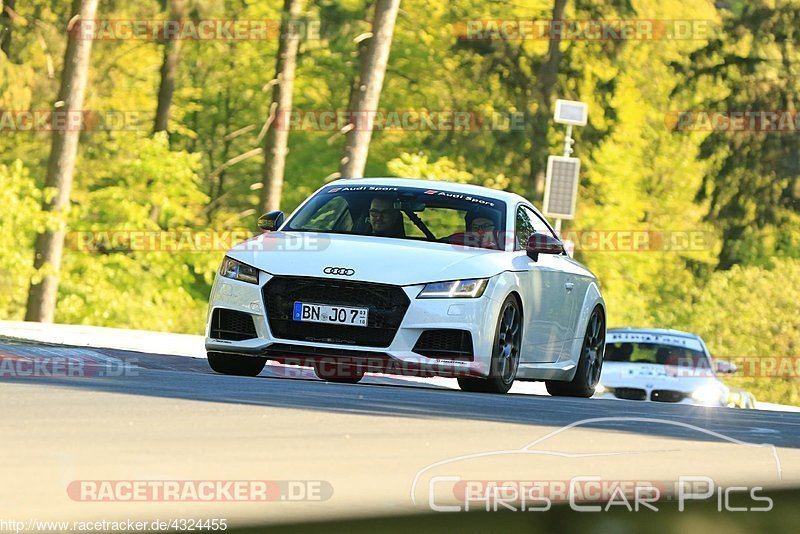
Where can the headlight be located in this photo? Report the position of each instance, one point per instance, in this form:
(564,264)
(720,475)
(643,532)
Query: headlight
(237,270)
(599,389)
(458,289)
(709,395)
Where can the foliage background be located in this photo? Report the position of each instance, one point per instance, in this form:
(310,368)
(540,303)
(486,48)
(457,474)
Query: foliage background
(740,293)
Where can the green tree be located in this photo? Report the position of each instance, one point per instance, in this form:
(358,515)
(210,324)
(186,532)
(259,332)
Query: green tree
(21,220)
(366,96)
(753,186)
(60,170)
(277,137)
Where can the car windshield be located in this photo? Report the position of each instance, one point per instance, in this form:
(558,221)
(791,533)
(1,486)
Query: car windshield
(405,213)
(656,353)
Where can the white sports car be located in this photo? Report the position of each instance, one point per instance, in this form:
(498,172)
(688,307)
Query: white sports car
(409,276)
(662,366)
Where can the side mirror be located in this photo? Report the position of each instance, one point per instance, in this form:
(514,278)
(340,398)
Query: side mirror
(269,222)
(725,367)
(543,244)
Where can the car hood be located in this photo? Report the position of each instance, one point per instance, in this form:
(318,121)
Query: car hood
(654,376)
(374,259)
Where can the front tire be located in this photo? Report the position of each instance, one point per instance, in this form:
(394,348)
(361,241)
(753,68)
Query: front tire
(235,364)
(587,375)
(505,352)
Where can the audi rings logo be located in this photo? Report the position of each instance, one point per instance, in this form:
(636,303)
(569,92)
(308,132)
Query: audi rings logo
(340,271)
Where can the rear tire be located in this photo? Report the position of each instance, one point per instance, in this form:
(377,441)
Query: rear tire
(591,363)
(505,353)
(341,373)
(235,364)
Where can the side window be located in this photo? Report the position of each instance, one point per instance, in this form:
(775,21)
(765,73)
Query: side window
(524,228)
(539,226)
(529,222)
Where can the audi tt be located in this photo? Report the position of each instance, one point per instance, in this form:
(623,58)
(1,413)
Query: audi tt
(414,277)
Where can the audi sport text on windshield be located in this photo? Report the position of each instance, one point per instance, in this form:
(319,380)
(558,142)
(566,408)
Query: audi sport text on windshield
(405,213)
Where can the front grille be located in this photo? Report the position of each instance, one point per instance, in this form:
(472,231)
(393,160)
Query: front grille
(387,306)
(445,344)
(666,395)
(630,393)
(232,325)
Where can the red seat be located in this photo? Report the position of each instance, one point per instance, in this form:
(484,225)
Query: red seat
(481,239)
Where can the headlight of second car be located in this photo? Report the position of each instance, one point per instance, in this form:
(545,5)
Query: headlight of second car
(237,270)
(709,395)
(458,289)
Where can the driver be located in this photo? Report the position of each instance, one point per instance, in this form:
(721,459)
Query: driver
(481,224)
(386,220)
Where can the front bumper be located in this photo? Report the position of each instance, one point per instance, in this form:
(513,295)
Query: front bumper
(477,316)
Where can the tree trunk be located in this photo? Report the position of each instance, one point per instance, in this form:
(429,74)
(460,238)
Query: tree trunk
(546,82)
(368,94)
(166,88)
(172,50)
(277,139)
(60,169)
(5,27)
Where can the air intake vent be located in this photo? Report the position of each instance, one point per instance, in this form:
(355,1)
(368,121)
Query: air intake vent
(445,344)
(232,325)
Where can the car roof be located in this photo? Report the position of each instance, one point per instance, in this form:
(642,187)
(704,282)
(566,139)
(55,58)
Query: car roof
(506,196)
(656,331)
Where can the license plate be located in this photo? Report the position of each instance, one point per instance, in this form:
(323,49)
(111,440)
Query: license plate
(323,313)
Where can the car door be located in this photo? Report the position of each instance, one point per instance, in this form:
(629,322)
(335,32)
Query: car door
(547,293)
(576,282)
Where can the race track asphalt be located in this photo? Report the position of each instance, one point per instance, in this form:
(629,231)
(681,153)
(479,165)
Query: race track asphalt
(374,448)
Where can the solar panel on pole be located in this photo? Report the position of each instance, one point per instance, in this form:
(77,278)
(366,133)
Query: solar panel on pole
(561,187)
